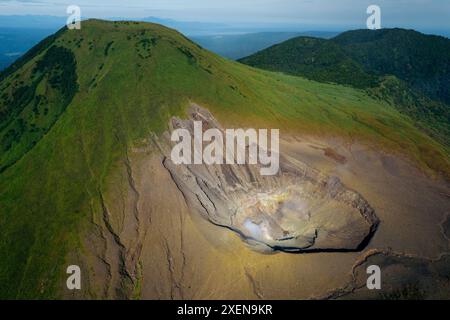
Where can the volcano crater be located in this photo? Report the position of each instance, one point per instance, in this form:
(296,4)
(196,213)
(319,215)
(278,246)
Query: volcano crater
(298,210)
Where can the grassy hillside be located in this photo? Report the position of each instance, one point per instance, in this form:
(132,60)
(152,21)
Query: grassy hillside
(430,116)
(317,59)
(391,65)
(130,79)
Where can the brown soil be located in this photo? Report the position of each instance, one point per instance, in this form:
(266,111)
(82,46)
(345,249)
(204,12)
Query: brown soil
(147,243)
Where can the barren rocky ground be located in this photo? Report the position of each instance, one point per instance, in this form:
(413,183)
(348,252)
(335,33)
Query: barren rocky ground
(158,239)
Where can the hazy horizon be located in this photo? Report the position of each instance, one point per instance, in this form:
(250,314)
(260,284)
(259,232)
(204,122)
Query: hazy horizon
(429,16)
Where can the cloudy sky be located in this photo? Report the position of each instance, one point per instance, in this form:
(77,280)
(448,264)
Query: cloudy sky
(418,14)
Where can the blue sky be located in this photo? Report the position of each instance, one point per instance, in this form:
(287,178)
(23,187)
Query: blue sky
(417,14)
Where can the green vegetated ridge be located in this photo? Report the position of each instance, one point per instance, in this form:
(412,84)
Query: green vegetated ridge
(422,61)
(314,58)
(408,69)
(63,132)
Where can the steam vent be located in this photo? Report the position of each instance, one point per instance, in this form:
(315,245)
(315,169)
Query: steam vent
(297,210)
